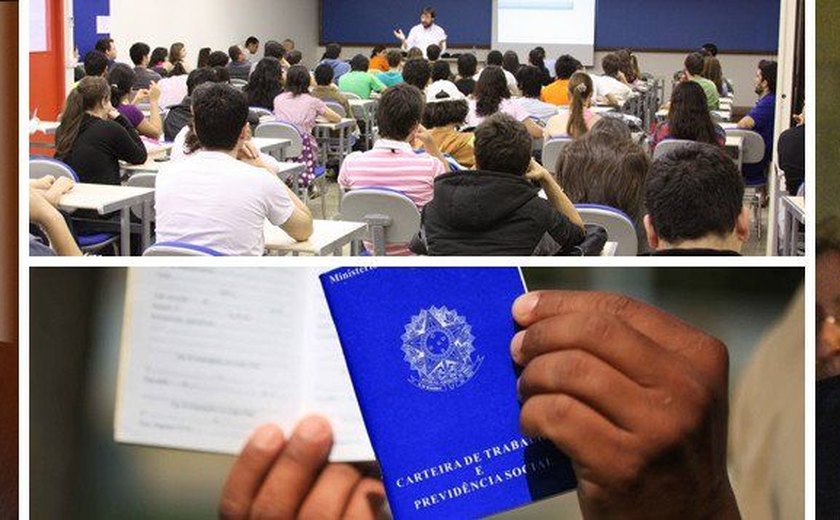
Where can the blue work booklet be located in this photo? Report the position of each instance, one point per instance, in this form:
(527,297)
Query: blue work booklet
(428,351)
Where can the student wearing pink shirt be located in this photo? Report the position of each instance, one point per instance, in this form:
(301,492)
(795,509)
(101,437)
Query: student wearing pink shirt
(295,105)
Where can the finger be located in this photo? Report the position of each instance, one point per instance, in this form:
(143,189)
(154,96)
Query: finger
(291,477)
(249,470)
(367,500)
(331,493)
(599,334)
(587,379)
(596,445)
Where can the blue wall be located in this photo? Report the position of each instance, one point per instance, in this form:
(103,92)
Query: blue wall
(84,20)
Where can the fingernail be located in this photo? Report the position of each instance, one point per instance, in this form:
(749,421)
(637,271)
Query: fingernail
(516,346)
(313,429)
(268,437)
(523,305)
(518,393)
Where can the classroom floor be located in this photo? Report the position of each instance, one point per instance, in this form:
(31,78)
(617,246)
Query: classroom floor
(753,247)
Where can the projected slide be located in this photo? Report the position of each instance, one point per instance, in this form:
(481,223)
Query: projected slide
(558,22)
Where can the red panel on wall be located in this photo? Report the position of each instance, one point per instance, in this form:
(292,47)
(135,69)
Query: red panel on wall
(46,69)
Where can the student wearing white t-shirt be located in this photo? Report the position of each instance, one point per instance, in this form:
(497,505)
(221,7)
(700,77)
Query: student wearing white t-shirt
(611,87)
(221,195)
(491,96)
(497,59)
(423,34)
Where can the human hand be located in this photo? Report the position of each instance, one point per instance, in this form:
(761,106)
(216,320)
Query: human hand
(141,95)
(57,189)
(400,35)
(799,118)
(424,137)
(41,211)
(634,396)
(274,477)
(42,183)
(248,152)
(536,172)
(154,92)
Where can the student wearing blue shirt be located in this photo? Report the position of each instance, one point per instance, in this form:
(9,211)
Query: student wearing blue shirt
(761,118)
(331,54)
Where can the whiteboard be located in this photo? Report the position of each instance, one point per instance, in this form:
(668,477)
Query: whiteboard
(38,41)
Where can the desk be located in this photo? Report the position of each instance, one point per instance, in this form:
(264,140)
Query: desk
(328,238)
(156,147)
(287,169)
(794,215)
(735,148)
(105,199)
(728,126)
(272,145)
(322,132)
(724,115)
(364,110)
(609,249)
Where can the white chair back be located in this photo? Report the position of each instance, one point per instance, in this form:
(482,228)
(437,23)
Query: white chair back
(551,151)
(668,145)
(178,249)
(42,167)
(238,83)
(753,148)
(336,107)
(392,217)
(142,180)
(620,228)
(282,130)
(351,95)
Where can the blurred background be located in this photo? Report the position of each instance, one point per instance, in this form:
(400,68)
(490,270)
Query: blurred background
(828,129)
(78,471)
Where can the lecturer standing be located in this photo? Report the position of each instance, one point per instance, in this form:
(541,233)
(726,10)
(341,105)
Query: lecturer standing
(423,34)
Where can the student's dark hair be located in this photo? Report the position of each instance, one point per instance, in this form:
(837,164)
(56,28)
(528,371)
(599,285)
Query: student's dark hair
(376,50)
(503,144)
(495,58)
(713,72)
(490,89)
(274,49)
(445,113)
(88,95)
(252,40)
(103,44)
(138,51)
(529,80)
(694,191)
(769,69)
(688,115)
(121,80)
(298,80)
(324,74)
(441,71)
(429,11)
(178,69)
(537,57)
(294,57)
(510,62)
(611,65)
(433,52)
(234,52)
(580,89)
(394,59)
(605,167)
(332,51)
(710,48)
(417,72)
(203,55)
(694,63)
(96,63)
(467,65)
(222,73)
(219,114)
(359,63)
(199,76)
(265,83)
(217,59)
(159,55)
(566,65)
(400,111)
(625,60)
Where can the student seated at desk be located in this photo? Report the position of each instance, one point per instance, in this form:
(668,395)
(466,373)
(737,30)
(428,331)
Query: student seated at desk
(144,77)
(467,66)
(94,137)
(297,106)
(121,79)
(294,57)
(762,118)
(445,112)
(218,59)
(433,53)
(497,210)
(392,163)
(178,56)
(607,167)
(218,197)
(688,118)
(379,60)
(326,90)
(491,96)
(158,62)
(530,83)
(576,121)
(713,72)
(441,74)
(695,203)
(239,66)
(417,72)
(536,58)
(511,62)
(392,76)
(331,58)
(359,81)
(611,87)
(44,194)
(497,59)
(265,84)
(694,72)
(557,93)
(791,152)
(629,66)
(179,115)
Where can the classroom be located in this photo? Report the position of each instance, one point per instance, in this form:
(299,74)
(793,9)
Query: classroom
(471,128)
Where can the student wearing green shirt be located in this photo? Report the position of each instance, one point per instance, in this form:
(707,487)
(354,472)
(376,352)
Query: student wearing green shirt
(693,72)
(394,75)
(359,81)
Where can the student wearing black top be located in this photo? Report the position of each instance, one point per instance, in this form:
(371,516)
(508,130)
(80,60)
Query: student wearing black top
(179,115)
(791,148)
(94,137)
(467,66)
(695,203)
(265,83)
(537,58)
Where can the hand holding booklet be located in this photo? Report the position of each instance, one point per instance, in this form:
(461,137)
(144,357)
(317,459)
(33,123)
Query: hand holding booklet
(428,352)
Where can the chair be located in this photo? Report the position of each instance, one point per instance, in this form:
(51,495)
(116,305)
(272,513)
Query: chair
(392,217)
(669,145)
(752,153)
(351,95)
(260,111)
(179,249)
(282,130)
(336,107)
(551,151)
(238,83)
(620,228)
(41,167)
(142,180)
